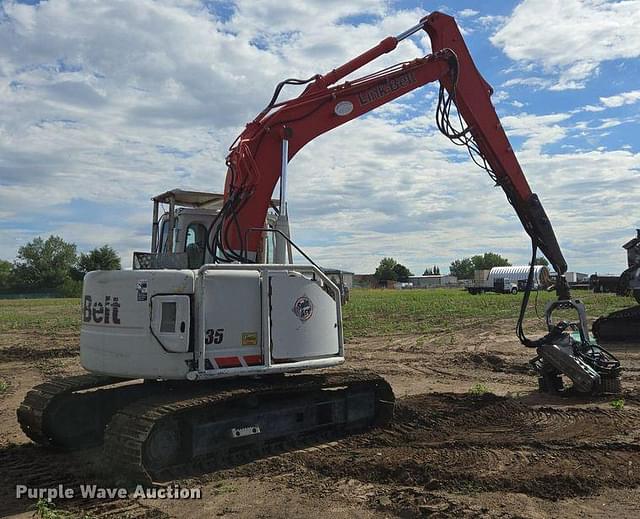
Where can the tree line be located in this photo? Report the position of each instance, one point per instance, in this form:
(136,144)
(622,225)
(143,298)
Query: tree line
(54,265)
(390,270)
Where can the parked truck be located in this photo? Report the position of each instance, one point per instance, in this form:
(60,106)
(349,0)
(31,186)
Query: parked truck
(604,283)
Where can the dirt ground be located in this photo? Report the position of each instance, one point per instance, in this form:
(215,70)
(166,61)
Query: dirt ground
(450,452)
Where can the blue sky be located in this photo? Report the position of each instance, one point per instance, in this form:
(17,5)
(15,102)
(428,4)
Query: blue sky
(104,104)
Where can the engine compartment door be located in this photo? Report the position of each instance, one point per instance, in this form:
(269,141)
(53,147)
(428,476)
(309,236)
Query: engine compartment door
(304,319)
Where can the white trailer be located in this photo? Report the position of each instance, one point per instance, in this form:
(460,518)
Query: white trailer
(510,279)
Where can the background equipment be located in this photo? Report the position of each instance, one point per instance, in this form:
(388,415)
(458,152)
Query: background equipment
(624,325)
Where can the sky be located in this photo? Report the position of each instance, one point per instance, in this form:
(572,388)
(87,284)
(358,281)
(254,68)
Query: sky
(105,104)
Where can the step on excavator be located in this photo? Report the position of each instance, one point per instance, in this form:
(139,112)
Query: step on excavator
(624,325)
(200,355)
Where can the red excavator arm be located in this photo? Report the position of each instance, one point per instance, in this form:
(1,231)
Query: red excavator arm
(255,160)
(259,157)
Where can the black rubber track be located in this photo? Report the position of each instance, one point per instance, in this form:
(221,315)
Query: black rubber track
(623,325)
(128,432)
(37,416)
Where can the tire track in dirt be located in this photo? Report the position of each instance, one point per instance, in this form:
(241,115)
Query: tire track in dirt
(462,417)
(437,443)
(25,353)
(460,443)
(39,467)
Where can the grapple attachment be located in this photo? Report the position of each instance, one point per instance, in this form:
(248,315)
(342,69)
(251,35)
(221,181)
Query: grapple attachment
(568,349)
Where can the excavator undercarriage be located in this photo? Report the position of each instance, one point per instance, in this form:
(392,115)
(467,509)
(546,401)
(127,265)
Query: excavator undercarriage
(157,431)
(620,326)
(624,325)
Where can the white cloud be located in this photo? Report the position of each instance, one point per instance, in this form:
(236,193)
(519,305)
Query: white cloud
(535,82)
(466,13)
(491,20)
(570,38)
(499,96)
(392,192)
(625,98)
(538,130)
(614,101)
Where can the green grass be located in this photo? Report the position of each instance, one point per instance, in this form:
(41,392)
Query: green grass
(618,404)
(46,510)
(369,312)
(375,312)
(3,386)
(224,487)
(478,390)
(43,314)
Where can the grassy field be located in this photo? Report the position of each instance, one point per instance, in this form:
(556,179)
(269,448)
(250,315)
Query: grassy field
(42,314)
(384,312)
(368,313)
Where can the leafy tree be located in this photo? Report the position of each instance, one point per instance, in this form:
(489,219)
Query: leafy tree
(5,274)
(385,271)
(103,258)
(489,260)
(402,272)
(541,261)
(462,268)
(432,271)
(71,288)
(390,270)
(44,264)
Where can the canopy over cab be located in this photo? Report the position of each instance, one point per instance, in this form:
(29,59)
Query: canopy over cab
(179,233)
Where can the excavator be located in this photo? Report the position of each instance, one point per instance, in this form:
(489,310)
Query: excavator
(200,355)
(624,325)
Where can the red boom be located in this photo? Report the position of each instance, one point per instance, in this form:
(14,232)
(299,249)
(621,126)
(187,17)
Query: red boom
(255,160)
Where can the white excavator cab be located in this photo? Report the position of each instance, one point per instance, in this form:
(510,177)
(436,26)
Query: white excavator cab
(179,315)
(179,234)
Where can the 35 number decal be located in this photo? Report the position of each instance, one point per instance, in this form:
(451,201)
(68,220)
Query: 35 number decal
(212,336)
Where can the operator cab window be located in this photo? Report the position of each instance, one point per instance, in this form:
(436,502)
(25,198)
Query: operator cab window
(195,244)
(270,246)
(164,234)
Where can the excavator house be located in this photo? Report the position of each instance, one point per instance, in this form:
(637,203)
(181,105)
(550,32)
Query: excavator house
(194,357)
(624,325)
